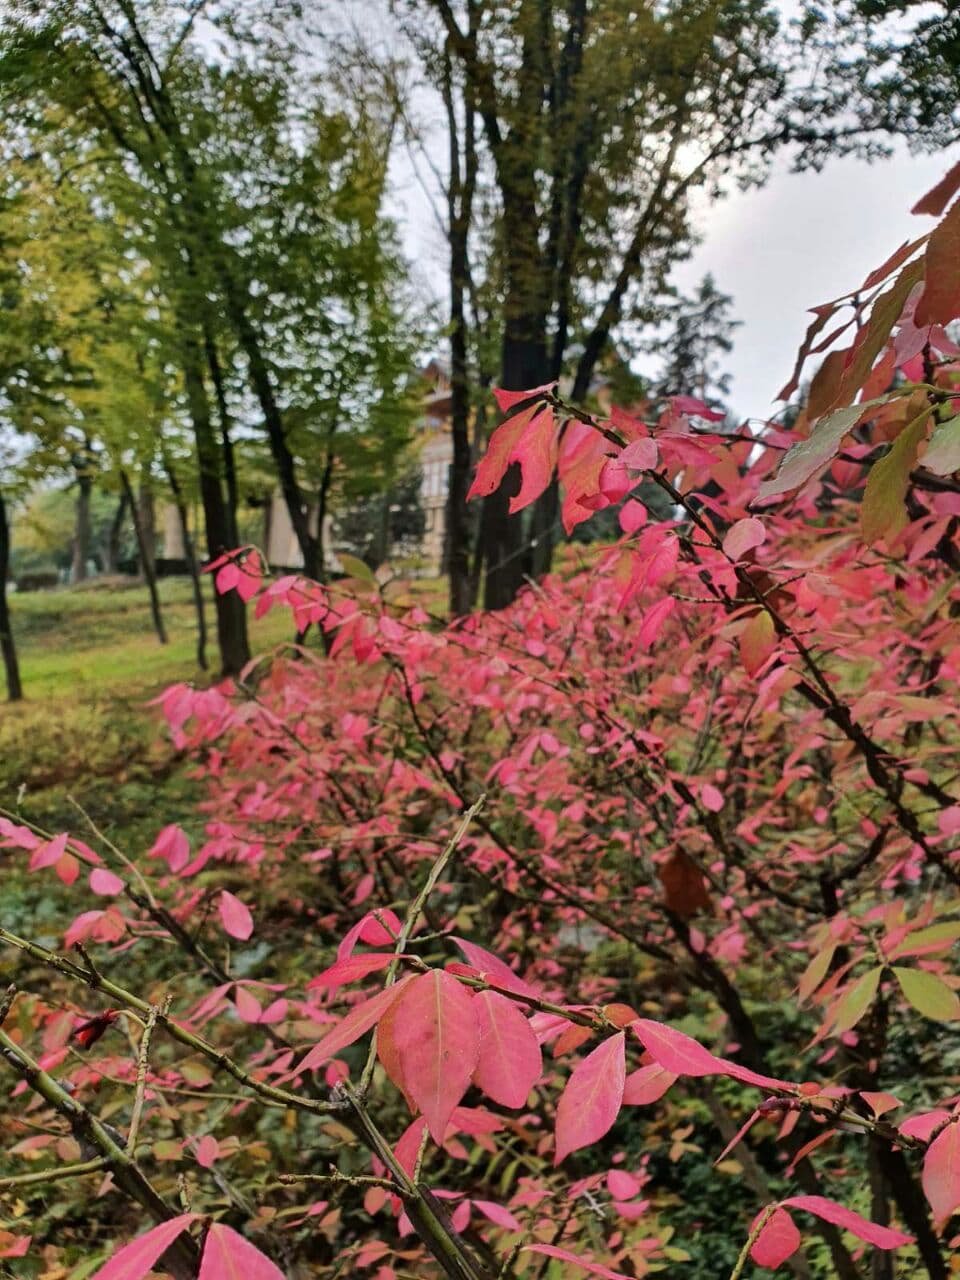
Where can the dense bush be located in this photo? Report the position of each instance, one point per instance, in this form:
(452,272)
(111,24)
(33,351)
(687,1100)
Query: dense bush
(489,939)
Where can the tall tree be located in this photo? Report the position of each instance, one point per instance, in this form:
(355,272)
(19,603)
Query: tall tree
(265,204)
(598,122)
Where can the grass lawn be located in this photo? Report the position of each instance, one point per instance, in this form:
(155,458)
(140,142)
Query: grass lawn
(90,663)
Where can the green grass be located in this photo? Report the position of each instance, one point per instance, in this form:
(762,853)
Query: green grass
(90,663)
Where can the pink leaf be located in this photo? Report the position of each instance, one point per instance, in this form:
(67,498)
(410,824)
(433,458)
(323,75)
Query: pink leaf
(135,1259)
(236,918)
(536,452)
(653,621)
(684,1056)
(172,844)
(499,454)
(208,1151)
(227,577)
(507,399)
(105,883)
(228,1256)
(358,1021)
(849,1220)
(592,1099)
(696,408)
(622,1185)
(350,970)
(49,854)
(778,1240)
(371,931)
(437,1038)
(711,798)
(249,1007)
(498,1215)
(646,1085)
(509,1063)
(593,1268)
(633,516)
(640,455)
(743,537)
(493,968)
(941,1173)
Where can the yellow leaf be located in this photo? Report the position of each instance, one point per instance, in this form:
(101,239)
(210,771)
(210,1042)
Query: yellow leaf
(883,512)
(928,994)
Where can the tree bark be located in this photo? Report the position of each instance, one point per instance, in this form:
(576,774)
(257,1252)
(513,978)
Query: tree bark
(112,550)
(82,530)
(147,563)
(7,644)
(230,609)
(193,568)
(459,212)
(145,527)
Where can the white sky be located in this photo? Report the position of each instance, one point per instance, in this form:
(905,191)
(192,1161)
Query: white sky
(798,241)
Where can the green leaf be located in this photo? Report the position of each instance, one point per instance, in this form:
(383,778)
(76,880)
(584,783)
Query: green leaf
(807,457)
(354,567)
(928,994)
(943,452)
(883,511)
(857,1000)
(815,972)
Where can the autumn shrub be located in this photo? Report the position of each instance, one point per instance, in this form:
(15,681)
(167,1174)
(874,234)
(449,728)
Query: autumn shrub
(611,933)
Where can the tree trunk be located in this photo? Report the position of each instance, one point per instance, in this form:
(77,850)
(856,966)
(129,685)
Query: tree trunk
(7,645)
(145,527)
(82,531)
(524,365)
(223,414)
(112,550)
(147,562)
(193,568)
(231,611)
(459,212)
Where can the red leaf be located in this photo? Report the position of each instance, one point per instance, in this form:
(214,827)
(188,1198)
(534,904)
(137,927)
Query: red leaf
(493,465)
(940,299)
(653,621)
(228,1256)
(646,1085)
(510,1062)
(208,1151)
(938,197)
(778,1240)
(941,1174)
(633,516)
(371,931)
(498,1215)
(507,399)
(594,1268)
(849,1220)
(493,968)
(350,969)
(237,920)
(686,1057)
(640,455)
(743,537)
(589,1104)
(438,1042)
(536,452)
(358,1021)
(90,1031)
(135,1259)
(696,408)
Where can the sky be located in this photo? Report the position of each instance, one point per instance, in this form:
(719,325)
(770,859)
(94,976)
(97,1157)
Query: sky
(800,240)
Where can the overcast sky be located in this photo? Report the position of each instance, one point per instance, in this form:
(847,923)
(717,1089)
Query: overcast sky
(798,241)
